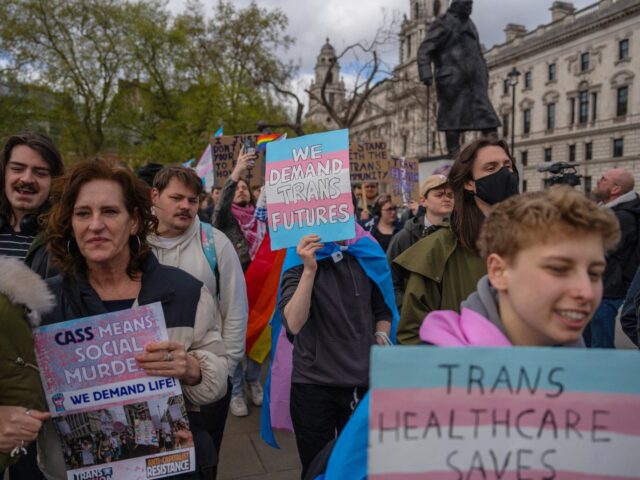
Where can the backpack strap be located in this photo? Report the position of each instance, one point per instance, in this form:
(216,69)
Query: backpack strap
(209,249)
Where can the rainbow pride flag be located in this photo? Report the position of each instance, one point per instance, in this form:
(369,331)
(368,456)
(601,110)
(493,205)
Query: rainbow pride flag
(261,144)
(262,278)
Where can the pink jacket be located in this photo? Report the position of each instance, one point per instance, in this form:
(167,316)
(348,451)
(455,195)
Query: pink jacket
(447,328)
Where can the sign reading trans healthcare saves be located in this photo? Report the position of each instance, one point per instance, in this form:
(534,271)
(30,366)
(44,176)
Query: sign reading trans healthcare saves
(509,413)
(100,399)
(308,189)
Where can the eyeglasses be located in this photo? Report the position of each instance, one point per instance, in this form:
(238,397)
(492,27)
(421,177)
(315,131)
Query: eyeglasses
(390,209)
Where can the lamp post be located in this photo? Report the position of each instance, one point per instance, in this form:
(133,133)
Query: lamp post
(514,76)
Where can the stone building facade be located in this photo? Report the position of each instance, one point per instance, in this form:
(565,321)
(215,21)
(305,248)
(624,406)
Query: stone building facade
(577,99)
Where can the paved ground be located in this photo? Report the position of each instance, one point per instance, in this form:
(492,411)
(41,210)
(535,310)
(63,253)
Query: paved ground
(245,456)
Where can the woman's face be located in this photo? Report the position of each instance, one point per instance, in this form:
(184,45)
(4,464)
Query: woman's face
(101,223)
(388,212)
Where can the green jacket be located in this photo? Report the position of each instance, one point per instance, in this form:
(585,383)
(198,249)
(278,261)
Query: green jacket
(23,297)
(442,274)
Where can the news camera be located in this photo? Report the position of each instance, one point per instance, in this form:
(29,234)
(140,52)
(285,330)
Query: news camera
(562,173)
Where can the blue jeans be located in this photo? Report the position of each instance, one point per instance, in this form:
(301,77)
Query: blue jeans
(601,331)
(251,374)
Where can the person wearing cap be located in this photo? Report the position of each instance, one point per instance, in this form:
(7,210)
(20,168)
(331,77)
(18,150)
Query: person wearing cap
(437,201)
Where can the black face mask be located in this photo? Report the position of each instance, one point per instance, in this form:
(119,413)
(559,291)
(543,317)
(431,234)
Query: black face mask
(497,187)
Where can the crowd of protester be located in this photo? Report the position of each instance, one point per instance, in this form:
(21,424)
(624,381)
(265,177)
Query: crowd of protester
(456,268)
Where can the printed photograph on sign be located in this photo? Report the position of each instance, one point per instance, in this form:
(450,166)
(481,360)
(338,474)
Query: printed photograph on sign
(122,433)
(503,413)
(308,189)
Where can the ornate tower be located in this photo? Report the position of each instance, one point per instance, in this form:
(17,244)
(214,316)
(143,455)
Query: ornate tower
(334,91)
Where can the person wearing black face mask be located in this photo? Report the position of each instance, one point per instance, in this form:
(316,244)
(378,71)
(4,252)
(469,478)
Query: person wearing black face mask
(446,265)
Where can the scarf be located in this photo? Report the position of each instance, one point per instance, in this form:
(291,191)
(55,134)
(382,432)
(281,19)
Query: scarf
(252,229)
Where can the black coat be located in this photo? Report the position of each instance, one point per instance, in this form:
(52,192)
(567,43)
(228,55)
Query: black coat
(461,74)
(622,262)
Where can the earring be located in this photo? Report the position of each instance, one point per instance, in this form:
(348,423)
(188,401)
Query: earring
(139,243)
(69,245)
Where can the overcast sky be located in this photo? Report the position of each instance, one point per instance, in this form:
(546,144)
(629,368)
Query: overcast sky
(347,21)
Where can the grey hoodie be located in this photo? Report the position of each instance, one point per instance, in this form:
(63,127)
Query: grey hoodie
(485,302)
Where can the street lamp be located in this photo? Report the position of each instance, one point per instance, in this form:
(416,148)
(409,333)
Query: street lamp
(514,76)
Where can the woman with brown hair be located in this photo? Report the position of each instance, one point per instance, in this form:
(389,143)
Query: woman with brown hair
(385,224)
(446,265)
(97,233)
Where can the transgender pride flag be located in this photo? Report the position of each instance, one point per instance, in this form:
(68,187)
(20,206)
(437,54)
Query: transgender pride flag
(204,169)
(309,189)
(441,413)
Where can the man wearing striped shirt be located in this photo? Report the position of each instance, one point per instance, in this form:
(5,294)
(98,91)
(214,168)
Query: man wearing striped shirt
(28,162)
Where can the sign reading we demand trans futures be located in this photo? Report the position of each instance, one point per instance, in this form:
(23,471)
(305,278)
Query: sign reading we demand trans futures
(503,414)
(101,400)
(308,189)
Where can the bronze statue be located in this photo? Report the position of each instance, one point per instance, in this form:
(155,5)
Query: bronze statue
(462,78)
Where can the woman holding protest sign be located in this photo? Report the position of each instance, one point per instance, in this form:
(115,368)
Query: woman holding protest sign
(97,235)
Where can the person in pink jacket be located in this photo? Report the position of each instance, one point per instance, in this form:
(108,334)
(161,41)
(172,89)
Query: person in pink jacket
(545,260)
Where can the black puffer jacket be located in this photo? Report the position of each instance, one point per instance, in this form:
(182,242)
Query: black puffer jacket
(622,262)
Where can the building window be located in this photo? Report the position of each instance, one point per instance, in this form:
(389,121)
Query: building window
(408,47)
(548,154)
(583,108)
(524,186)
(405,142)
(406,115)
(524,158)
(417,10)
(551,72)
(622,98)
(584,62)
(527,79)
(572,109)
(551,116)
(526,124)
(587,184)
(505,125)
(572,153)
(618,147)
(623,49)
(588,151)
(594,106)
(505,86)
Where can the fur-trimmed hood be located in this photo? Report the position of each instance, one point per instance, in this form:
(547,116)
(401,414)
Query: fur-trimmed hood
(24,287)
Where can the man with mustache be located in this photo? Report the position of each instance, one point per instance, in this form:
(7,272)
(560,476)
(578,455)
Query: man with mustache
(28,163)
(207,254)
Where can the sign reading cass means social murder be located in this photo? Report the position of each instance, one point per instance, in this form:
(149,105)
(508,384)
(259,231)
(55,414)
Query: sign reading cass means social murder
(308,189)
(104,406)
(504,413)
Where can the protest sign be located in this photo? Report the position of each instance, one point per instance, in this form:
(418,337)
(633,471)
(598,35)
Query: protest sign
(103,404)
(225,151)
(308,189)
(369,161)
(405,179)
(503,413)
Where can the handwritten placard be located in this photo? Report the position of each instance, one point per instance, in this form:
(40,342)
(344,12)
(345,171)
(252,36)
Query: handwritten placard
(369,161)
(405,179)
(308,189)
(508,413)
(225,151)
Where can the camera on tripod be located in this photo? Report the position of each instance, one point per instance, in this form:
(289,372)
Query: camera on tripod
(562,174)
